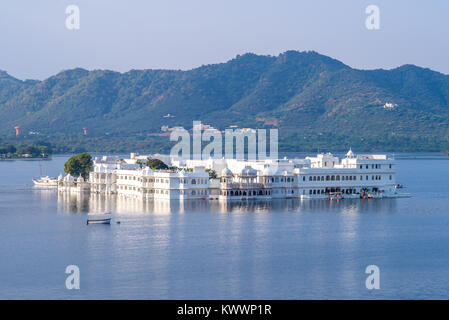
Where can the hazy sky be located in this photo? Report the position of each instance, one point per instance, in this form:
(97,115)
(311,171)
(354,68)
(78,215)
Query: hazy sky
(182,34)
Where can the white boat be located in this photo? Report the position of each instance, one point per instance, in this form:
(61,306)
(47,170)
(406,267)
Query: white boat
(99,221)
(46,182)
(104,218)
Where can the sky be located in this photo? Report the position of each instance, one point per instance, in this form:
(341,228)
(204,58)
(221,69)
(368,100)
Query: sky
(182,34)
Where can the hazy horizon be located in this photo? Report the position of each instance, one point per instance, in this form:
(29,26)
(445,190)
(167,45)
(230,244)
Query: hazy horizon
(179,35)
(172,69)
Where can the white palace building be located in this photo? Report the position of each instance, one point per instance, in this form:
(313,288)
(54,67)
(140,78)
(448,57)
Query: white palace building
(324,176)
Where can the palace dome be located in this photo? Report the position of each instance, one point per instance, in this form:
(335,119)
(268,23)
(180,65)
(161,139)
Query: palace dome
(249,171)
(350,154)
(226,172)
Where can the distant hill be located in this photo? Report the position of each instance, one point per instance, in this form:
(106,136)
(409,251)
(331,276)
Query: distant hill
(315,101)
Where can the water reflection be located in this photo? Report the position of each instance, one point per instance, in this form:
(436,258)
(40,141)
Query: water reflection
(281,249)
(100,203)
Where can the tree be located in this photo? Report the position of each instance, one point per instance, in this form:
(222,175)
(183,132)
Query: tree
(45,150)
(156,164)
(80,164)
(10,149)
(212,173)
(31,150)
(140,163)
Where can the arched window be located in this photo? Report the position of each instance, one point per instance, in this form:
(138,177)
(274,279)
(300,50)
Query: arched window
(333,178)
(310,178)
(327,178)
(338,178)
(193,181)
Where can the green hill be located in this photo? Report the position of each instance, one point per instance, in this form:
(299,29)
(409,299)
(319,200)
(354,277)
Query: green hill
(314,101)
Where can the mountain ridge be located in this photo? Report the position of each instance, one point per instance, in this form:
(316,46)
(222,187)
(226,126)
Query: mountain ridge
(306,95)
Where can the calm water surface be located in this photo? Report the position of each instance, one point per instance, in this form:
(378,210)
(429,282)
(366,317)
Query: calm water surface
(206,250)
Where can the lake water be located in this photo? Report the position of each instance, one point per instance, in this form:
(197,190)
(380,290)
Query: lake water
(283,249)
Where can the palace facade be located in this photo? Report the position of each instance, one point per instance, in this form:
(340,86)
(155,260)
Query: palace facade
(322,176)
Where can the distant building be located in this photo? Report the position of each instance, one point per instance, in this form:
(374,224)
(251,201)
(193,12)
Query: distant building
(390,106)
(200,126)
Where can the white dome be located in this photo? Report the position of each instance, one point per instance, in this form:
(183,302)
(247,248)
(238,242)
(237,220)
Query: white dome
(350,154)
(226,172)
(267,172)
(270,170)
(249,171)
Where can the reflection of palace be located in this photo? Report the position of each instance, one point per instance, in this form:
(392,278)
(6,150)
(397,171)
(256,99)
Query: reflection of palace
(323,176)
(100,203)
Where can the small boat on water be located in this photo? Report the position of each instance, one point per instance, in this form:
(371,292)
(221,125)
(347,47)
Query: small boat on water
(99,221)
(399,186)
(46,181)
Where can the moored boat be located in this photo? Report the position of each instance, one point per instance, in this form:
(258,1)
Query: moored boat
(99,221)
(46,181)
(99,218)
